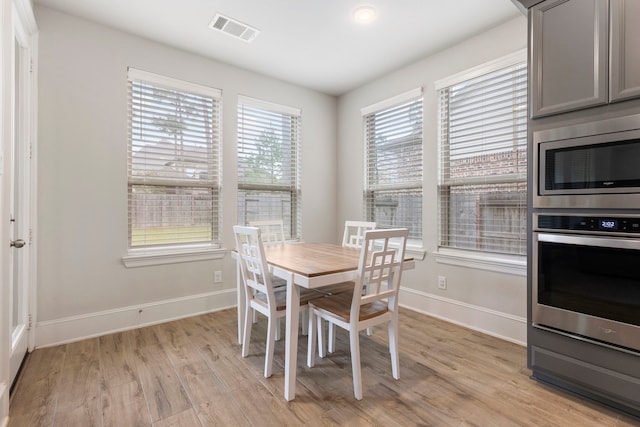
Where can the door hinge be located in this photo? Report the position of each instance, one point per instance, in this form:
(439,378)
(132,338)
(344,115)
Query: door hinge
(31,65)
(30,322)
(30,236)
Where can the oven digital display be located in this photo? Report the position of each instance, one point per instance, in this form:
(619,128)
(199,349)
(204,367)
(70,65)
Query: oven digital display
(608,224)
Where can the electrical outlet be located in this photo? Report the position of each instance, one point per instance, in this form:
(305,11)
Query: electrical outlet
(217,276)
(442,282)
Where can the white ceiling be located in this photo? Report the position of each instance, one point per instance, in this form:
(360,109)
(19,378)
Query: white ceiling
(312,43)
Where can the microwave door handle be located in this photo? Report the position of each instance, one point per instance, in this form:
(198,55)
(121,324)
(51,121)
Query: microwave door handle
(607,242)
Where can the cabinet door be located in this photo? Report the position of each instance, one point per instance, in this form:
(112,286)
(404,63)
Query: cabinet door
(569,51)
(625,52)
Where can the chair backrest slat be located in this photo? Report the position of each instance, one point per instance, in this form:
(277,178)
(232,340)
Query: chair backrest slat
(272,231)
(252,261)
(380,268)
(353,235)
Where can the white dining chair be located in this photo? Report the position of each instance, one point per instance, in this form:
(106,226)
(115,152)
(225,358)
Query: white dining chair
(259,291)
(272,234)
(353,234)
(352,237)
(373,301)
(272,231)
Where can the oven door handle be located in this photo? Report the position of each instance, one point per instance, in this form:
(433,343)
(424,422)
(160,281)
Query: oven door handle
(607,242)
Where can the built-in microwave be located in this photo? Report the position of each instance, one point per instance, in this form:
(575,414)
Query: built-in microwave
(589,165)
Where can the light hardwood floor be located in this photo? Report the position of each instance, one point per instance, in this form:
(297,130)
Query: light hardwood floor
(189,373)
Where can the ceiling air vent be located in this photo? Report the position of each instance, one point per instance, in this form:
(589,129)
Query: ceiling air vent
(233,28)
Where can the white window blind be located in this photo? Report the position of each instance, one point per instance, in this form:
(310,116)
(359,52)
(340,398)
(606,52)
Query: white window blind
(483,161)
(269,164)
(393,138)
(173,162)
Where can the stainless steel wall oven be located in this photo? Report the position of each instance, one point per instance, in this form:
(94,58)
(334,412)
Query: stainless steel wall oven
(586,276)
(584,259)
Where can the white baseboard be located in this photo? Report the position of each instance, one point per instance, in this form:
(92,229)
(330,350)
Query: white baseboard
(60,331)
(4,404)
(501,325)
(75,328)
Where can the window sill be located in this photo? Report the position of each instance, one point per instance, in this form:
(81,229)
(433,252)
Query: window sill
(158,256)
(416,251)
(413,248)
(508,264)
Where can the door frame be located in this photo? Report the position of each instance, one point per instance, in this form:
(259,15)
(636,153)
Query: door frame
(16,14)
(22,137)
(6,36)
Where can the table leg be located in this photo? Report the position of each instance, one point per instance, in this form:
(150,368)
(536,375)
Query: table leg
(291,345)
(241,301)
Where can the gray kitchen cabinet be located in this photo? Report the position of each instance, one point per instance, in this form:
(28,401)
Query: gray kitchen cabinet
(569,55)
(625,52)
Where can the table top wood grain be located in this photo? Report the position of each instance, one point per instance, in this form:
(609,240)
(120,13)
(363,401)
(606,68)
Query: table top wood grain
(313,259)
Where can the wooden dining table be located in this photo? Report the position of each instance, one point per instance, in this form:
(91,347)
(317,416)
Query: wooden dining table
(306,265)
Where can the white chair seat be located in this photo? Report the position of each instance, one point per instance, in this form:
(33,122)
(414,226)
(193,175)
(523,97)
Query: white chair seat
(339,306)
(338,288)
(280,295)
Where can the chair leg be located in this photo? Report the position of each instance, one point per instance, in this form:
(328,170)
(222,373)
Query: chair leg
(354,339)
(278,330)
(311,340)
(270,348)
(332,337)
(246,334)
(304,324)
(321,350)
(393,349)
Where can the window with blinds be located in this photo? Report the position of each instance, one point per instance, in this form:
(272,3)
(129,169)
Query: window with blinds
(393,184)
(173,162)
(483,159)
(269,164)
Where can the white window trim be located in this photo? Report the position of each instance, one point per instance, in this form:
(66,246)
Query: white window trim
(414,247)
(135,74)
(172,255)
(500,263)
(269,106)
(477,71)
(284,110)
(391,102)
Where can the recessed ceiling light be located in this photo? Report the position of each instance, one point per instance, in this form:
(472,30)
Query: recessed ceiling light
(364,14)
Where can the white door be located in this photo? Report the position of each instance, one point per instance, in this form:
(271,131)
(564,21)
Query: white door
(19,202)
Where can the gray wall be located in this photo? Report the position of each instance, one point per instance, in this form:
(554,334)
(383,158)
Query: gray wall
(82,168)
(82,197)
(476,298)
